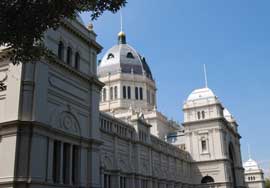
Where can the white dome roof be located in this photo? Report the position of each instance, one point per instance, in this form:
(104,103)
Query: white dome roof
(123,58)
(251,165)
(202,93)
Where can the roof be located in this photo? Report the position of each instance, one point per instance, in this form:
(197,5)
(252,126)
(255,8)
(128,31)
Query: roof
(251,165)
(123,58)
(202,93)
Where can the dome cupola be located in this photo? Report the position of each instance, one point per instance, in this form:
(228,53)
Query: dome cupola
(125,59)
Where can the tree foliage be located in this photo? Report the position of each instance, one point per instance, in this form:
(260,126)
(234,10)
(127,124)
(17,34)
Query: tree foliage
(23,22)
(267,183)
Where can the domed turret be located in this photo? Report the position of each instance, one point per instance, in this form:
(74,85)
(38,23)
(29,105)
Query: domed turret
(251,165)
(128,79)
(125,59)
(202,93)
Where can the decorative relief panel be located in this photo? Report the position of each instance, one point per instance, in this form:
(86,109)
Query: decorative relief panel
(65,120)
(3,78)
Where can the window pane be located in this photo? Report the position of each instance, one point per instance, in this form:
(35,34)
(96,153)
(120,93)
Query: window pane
(141,93)
(136,93)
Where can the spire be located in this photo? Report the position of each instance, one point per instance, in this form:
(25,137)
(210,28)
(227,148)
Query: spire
(121,34)
(205,76)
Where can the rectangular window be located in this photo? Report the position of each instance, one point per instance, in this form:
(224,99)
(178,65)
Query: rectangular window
(56,161)
(111,93)
(115,92)
(107,181)
(136,93)
(75,164)
(124,92)
(129,93)
(66,163)
(144,183)
(141,93)
(123,182)
(204,147)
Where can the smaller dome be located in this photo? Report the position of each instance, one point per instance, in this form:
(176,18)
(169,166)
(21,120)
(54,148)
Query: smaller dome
(251,165)
(202,93)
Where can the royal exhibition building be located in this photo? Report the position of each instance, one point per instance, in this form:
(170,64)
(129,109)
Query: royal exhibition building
(72,122)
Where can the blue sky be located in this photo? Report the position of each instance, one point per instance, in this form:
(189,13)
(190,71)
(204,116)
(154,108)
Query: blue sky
(232,37)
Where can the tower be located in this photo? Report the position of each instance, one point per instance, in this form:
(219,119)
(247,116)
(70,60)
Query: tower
(254,176)
(128,79)
(130,87)
(212,140)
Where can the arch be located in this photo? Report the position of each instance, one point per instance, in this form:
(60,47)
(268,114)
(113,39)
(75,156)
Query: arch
(124,92)
(207,179)
(136,93)
(77,60)
(130,55)
(69,55)
(141,93)
(110,56)
(203,115)
(128,92)
(60,50)
(232,163)
(115,92)
(199,115)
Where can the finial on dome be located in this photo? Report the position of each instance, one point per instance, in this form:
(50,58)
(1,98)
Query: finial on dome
(90,26)
(121,34)
(121,38)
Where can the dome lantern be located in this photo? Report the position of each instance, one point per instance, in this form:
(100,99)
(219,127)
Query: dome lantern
(121,38)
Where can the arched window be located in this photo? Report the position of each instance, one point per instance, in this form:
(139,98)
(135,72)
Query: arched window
(111,93)
(136,93)
(207,179)
(104,94)
(141,93)
(77,60)
(199,115)
(110,55)
(60,50)
(128,92)
(124,92)
(115,92)
(203,115)
(130,55)
(69,55)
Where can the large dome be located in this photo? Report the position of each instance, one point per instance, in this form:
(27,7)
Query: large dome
(123,58)
(201,94)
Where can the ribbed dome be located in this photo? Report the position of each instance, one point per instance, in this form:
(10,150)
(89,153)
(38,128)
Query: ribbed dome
(201,94)
(251,165)
(123,58)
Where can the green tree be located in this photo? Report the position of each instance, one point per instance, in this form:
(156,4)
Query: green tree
(23,22)
(267,183)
